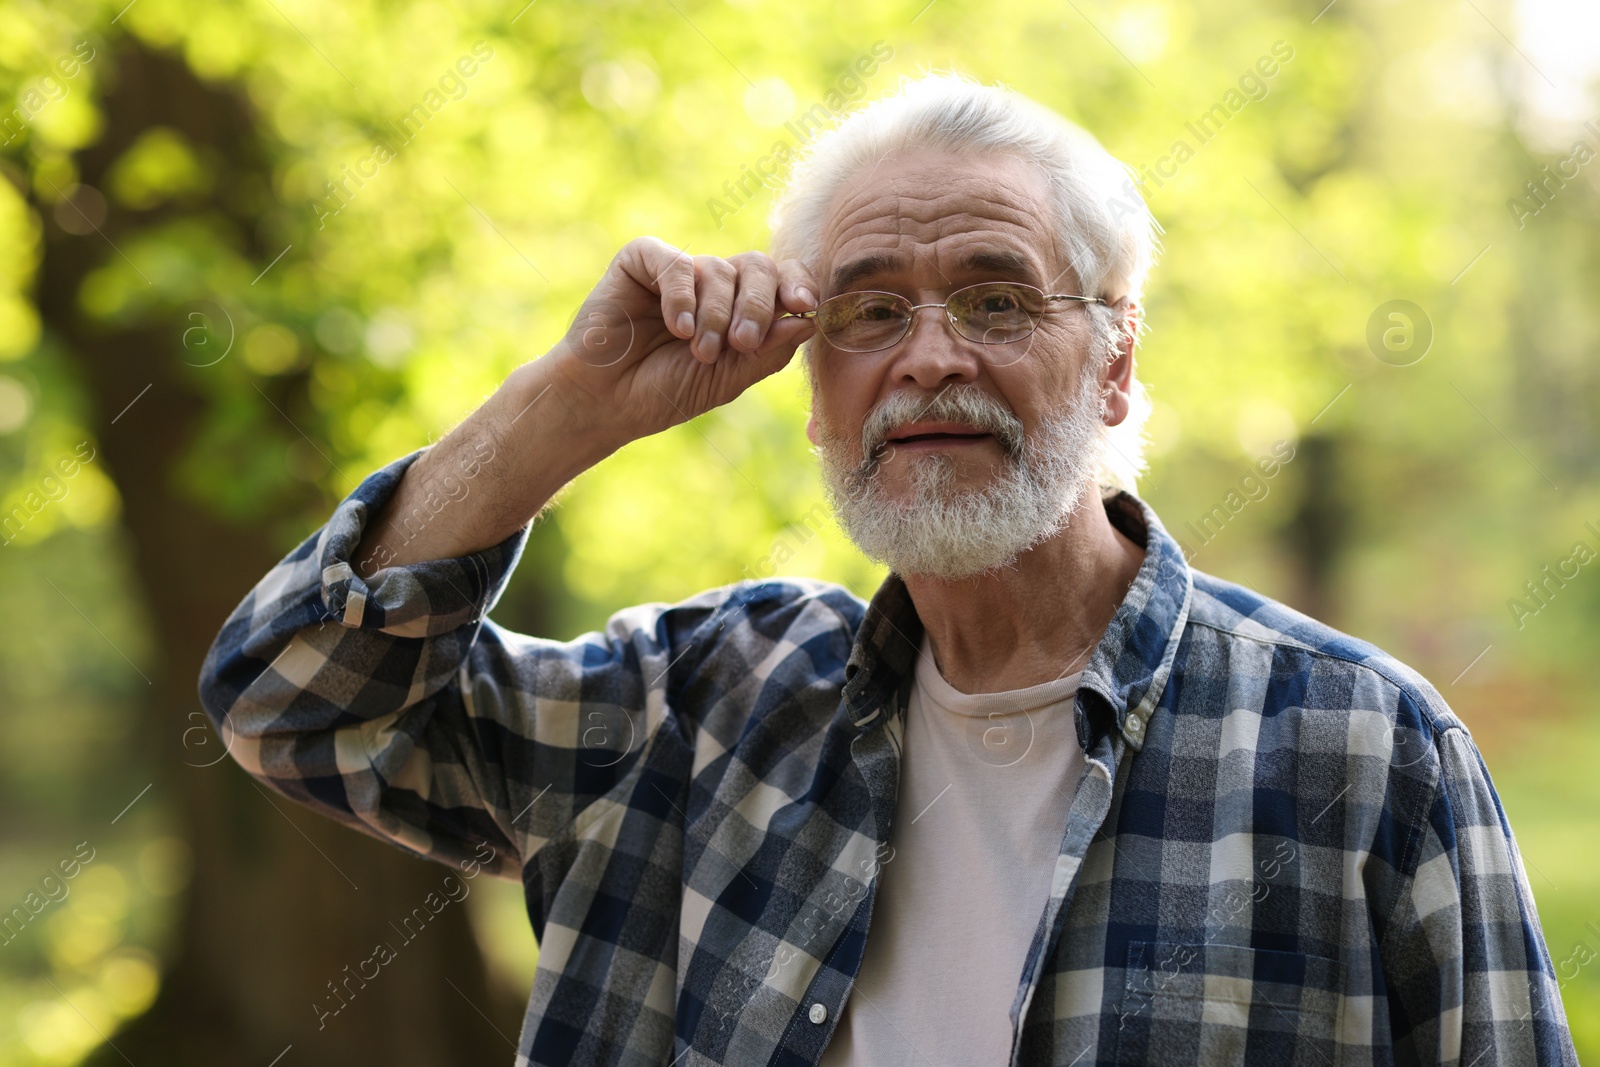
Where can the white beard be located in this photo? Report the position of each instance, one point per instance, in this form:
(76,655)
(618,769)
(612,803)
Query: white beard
(944,533)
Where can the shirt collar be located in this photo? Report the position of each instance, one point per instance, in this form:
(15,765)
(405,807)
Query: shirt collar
(1128,668)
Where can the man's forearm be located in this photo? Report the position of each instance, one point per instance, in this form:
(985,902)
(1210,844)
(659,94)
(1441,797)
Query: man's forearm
(488,477)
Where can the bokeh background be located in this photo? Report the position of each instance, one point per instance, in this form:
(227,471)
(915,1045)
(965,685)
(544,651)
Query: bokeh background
(221,305)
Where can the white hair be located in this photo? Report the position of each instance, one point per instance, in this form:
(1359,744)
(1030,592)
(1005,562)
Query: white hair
(1102,227)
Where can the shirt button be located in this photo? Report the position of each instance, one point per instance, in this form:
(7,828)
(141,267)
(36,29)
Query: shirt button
(819,1013)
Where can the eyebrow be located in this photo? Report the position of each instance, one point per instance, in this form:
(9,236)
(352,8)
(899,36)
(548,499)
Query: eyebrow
(993,262)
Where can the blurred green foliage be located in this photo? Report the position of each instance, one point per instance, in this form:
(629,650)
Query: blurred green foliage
(1374,164)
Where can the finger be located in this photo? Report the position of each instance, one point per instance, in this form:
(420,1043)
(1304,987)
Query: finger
(753,301)
(786,335)
(666,270)
(797,289)
(715,279)
(776,351)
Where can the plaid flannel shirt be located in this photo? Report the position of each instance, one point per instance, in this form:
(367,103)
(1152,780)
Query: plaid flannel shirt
(1285,847)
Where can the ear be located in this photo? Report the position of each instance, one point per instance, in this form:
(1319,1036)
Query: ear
(1118,390)
(811,429)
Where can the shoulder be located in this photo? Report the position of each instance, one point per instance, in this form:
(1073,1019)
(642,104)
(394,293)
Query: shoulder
(735,652)
(789,611)
(1307,663)
(794,597)
(1328,706)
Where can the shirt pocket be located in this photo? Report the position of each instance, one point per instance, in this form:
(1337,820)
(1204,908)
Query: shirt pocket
(1227,1004)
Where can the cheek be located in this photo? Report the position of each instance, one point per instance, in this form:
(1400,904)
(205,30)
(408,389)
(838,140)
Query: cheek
(839,428)
(1050,374)
(1063,334)
(844,393)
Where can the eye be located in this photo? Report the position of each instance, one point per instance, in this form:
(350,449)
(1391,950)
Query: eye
(997,304)
(874,308)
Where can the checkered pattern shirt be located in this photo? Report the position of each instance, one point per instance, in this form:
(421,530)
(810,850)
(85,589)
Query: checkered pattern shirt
(1285,848)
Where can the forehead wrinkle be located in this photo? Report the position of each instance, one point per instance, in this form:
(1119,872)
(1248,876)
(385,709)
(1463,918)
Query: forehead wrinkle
(946,252)
(991,207)
(956,203)
(1004,200)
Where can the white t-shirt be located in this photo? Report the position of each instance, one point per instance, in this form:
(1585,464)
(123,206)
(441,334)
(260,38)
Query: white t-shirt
(985,783)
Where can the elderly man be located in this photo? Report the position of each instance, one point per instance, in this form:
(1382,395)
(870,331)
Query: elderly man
(1052,796)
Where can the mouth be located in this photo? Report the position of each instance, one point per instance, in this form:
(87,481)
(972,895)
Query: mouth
(937,435)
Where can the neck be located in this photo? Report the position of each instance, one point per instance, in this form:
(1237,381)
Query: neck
(1036,620)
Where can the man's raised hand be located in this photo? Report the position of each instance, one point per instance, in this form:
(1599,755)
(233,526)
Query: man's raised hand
(666,336)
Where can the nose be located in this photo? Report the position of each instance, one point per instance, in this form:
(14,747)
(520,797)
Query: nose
(934,357)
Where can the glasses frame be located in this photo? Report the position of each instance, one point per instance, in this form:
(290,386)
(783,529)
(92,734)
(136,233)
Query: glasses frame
(949,317)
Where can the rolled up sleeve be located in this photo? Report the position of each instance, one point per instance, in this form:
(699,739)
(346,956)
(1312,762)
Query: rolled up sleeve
(323,684)
(391,703)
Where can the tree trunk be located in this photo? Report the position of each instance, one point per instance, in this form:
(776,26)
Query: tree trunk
(281,901)
(1318,531)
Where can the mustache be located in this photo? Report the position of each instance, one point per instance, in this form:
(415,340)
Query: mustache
(957,403)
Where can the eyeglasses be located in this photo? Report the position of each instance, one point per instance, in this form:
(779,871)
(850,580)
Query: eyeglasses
(990,313)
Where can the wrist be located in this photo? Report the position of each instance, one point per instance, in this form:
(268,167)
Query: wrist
(541,401)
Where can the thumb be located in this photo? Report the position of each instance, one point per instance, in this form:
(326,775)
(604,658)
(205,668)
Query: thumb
(786,333)
(783,337)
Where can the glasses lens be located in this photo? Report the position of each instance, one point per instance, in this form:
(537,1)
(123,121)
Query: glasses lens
(863,322)
(996,312)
